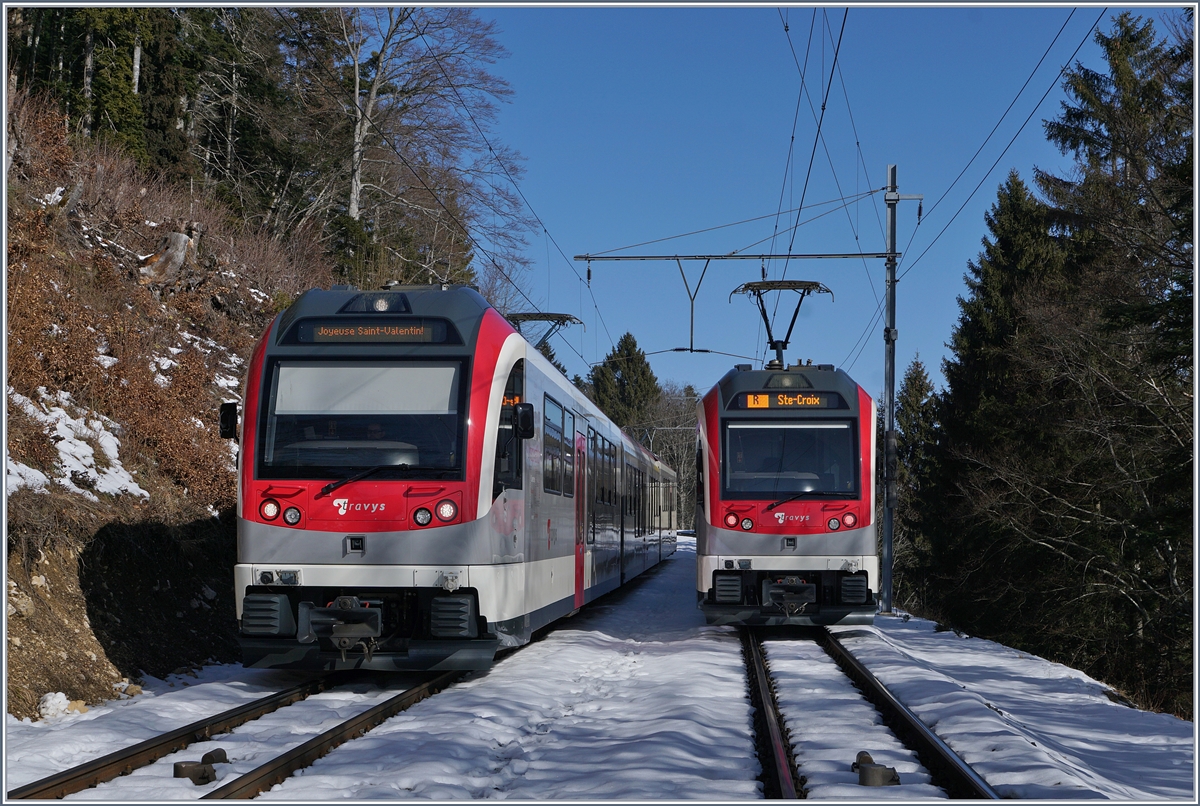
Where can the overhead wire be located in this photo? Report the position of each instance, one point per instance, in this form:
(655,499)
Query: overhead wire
(845,201)
(857,350)
(1011,104)
(517,187)
(817,137)
(820,122)
(1029,117)
(787,165)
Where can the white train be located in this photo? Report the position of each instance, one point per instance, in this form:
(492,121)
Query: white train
(418,486)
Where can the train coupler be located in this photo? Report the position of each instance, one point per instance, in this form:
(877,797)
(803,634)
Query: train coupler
(346,622)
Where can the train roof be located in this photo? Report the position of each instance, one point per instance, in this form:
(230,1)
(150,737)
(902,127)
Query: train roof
(460,305)
(796,378)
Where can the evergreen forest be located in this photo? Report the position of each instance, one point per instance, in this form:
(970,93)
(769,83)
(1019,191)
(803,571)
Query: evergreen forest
(1046,493)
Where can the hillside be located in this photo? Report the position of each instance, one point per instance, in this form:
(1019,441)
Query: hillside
(131,308)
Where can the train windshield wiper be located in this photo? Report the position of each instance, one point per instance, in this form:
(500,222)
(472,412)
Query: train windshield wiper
(815,493)
(362,474)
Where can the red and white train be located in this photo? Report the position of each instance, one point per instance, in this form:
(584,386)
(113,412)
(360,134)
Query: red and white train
(785,526)
(418,486)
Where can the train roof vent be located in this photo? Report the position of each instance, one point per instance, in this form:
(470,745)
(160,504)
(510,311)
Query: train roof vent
(788,380)
(742,367)
(826,367)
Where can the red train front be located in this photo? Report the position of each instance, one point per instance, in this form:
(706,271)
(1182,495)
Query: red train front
(785,526)
(418,486)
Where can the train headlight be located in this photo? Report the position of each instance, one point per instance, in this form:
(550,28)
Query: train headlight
(422,516)
(446,510)
(291,516)
(747,524)
(266,578)
(731,519)
(849,520)
(269,509)
(834,524)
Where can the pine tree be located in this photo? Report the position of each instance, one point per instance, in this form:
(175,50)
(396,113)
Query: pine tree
(625,388)
(916,445)
(1061,516)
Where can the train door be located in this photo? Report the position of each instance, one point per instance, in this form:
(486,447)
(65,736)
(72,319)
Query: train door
(583,472)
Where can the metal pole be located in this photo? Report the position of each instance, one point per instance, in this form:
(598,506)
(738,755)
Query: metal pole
(891,198)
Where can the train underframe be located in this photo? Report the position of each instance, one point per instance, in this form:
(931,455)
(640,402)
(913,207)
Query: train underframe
(758,592)
(333,628)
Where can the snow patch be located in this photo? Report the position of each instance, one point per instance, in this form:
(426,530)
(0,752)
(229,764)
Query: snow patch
(76,457)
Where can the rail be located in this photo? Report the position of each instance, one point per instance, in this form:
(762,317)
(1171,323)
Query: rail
(277,770)
(774,756)
(949,770)
(128,759)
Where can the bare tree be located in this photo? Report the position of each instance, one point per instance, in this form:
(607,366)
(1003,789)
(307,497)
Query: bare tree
(427,195)
(671,434)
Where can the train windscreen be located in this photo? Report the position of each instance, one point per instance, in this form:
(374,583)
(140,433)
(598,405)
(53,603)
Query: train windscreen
(325,419)
(773,460)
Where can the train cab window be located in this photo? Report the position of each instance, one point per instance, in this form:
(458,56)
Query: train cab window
(552,447)
(325,419)
(699,475)
(782,459)
(507,475)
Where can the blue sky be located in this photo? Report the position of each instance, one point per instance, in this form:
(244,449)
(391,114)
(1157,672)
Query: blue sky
(642,123)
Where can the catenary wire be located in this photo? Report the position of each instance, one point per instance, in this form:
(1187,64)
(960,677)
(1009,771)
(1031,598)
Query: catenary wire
(516,186)
(875,316)
(1038,105)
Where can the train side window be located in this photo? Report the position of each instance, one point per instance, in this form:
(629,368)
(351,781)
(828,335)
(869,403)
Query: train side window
(609,474)
(552,447)
(592,470)
(568,454)
(591,467)
(507,475)
(699,475)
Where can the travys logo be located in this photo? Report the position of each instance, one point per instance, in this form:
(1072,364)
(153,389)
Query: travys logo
(343,506)
(782,517)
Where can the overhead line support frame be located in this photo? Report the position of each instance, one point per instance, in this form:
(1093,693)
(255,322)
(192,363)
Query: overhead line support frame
(691,348)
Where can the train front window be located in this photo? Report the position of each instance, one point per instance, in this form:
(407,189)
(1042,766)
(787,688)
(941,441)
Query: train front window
(324,419)
(774,460)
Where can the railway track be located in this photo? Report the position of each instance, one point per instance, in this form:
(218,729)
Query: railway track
(128,759)
(774,751)
(124,761)
(780,777)
(275,771)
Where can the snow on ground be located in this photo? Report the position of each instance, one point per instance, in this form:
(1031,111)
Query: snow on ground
(635,698)
(1032,728)
(34,750)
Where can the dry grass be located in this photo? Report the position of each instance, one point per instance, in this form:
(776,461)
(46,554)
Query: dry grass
(72,292)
